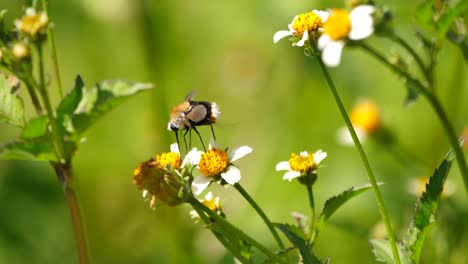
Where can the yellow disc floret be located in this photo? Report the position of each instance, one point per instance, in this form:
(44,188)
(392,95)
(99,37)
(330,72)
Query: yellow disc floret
(169,159)
(338,24)
(213,162)
(366,115)
(303,163)
(306,22)
(32,22)
(213,204)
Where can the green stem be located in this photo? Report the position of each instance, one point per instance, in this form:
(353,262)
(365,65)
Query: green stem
(370,174)
(33,95)
(312,213)
(53,50)
(260,212)
(50,113)
(229,227)
(413,53)
(436,105)
(65,175)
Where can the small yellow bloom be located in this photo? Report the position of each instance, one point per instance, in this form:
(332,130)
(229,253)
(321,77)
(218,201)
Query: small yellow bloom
(20,51)
(213,162)
(32,22)
(302,164)
(211,202)
(168,160)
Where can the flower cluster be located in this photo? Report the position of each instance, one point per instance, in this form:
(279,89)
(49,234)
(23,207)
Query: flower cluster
(301,165)
(328,31)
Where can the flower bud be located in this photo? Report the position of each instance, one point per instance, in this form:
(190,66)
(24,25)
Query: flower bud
(32,23)
(20,51)
(165,186)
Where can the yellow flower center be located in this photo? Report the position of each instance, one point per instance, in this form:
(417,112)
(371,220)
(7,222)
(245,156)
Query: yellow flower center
(147,176)
(213,162)
(31,24)
(366,115)
(169,159)
(338,24)
(212,204)
(306,22)
(302,163)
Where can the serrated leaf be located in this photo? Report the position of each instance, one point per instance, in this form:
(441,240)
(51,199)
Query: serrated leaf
(100,99)
(11,105)
(383,252)
(447,18)
(426,208)
(36,127)
(335,202)
(70,102)
(307,255)
(28,150)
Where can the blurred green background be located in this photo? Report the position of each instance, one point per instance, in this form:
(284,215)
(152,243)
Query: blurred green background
(272,98)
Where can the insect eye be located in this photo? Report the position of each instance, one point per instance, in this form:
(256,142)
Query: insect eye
(173,127)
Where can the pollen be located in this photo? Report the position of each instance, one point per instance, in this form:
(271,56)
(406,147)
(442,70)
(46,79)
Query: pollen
(366,115)
(306,22)
(303,163)
(338,24)
(213,162)
(169,159)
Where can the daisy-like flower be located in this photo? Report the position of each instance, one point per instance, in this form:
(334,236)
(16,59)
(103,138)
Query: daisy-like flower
(302,164)
(211,202)
(160,178)
(32,22)
(216,164)
(341,25)
(302,26)
(366,120)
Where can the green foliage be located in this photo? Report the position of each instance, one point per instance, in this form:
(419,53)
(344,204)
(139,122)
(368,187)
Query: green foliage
(300,243)
(383,252)
(447,19)
(36,127)
(36,149)
(237,246)
(426,208)
(11,105)
(335,202)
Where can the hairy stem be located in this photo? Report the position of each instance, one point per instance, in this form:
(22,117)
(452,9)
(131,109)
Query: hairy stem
(234,230)
(365,161)
(260,212)
(312,213)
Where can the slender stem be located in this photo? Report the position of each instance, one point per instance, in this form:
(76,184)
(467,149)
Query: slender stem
(260,212)
(65,175)
(229,227)
(53,50)
(370,174)
(33,95)
(413,53)
(50,113)
(312,213)
(436,105)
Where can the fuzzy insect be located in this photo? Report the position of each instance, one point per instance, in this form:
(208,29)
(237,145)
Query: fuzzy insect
(190,114)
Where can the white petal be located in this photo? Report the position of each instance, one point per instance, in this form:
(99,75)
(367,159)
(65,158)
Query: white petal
(323,41)
(281,34)
(232,175)
(362,22)
(304,153)
(283,165)
(209,196)
(175,148)
(213,143)
(194,215)
(290,26)
(145,192)
(291,175)
(304,38)
(199,184)
(331,54)
(238,153)
(192,158)
(30,11)
(322,14)
(319,155)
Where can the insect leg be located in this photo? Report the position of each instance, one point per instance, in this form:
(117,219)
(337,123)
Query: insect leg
(177,138)
(185,141)
(212,131)
(198,133)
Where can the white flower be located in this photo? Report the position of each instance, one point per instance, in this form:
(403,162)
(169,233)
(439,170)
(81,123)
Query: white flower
(301,164)
(302,25)
(210,202)
(216,164)
(341,24)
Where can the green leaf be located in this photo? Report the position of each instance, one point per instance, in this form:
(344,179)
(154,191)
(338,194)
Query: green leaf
(28,150)
(412,93)
(383,252)
(447,18)
(426,208)
(11,105)
(425,13)
(308,256)
(36,127)
(101,99)
(238,247)
(69,103)
(335,202)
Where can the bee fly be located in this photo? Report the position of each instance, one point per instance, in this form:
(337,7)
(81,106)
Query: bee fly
(190,114)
